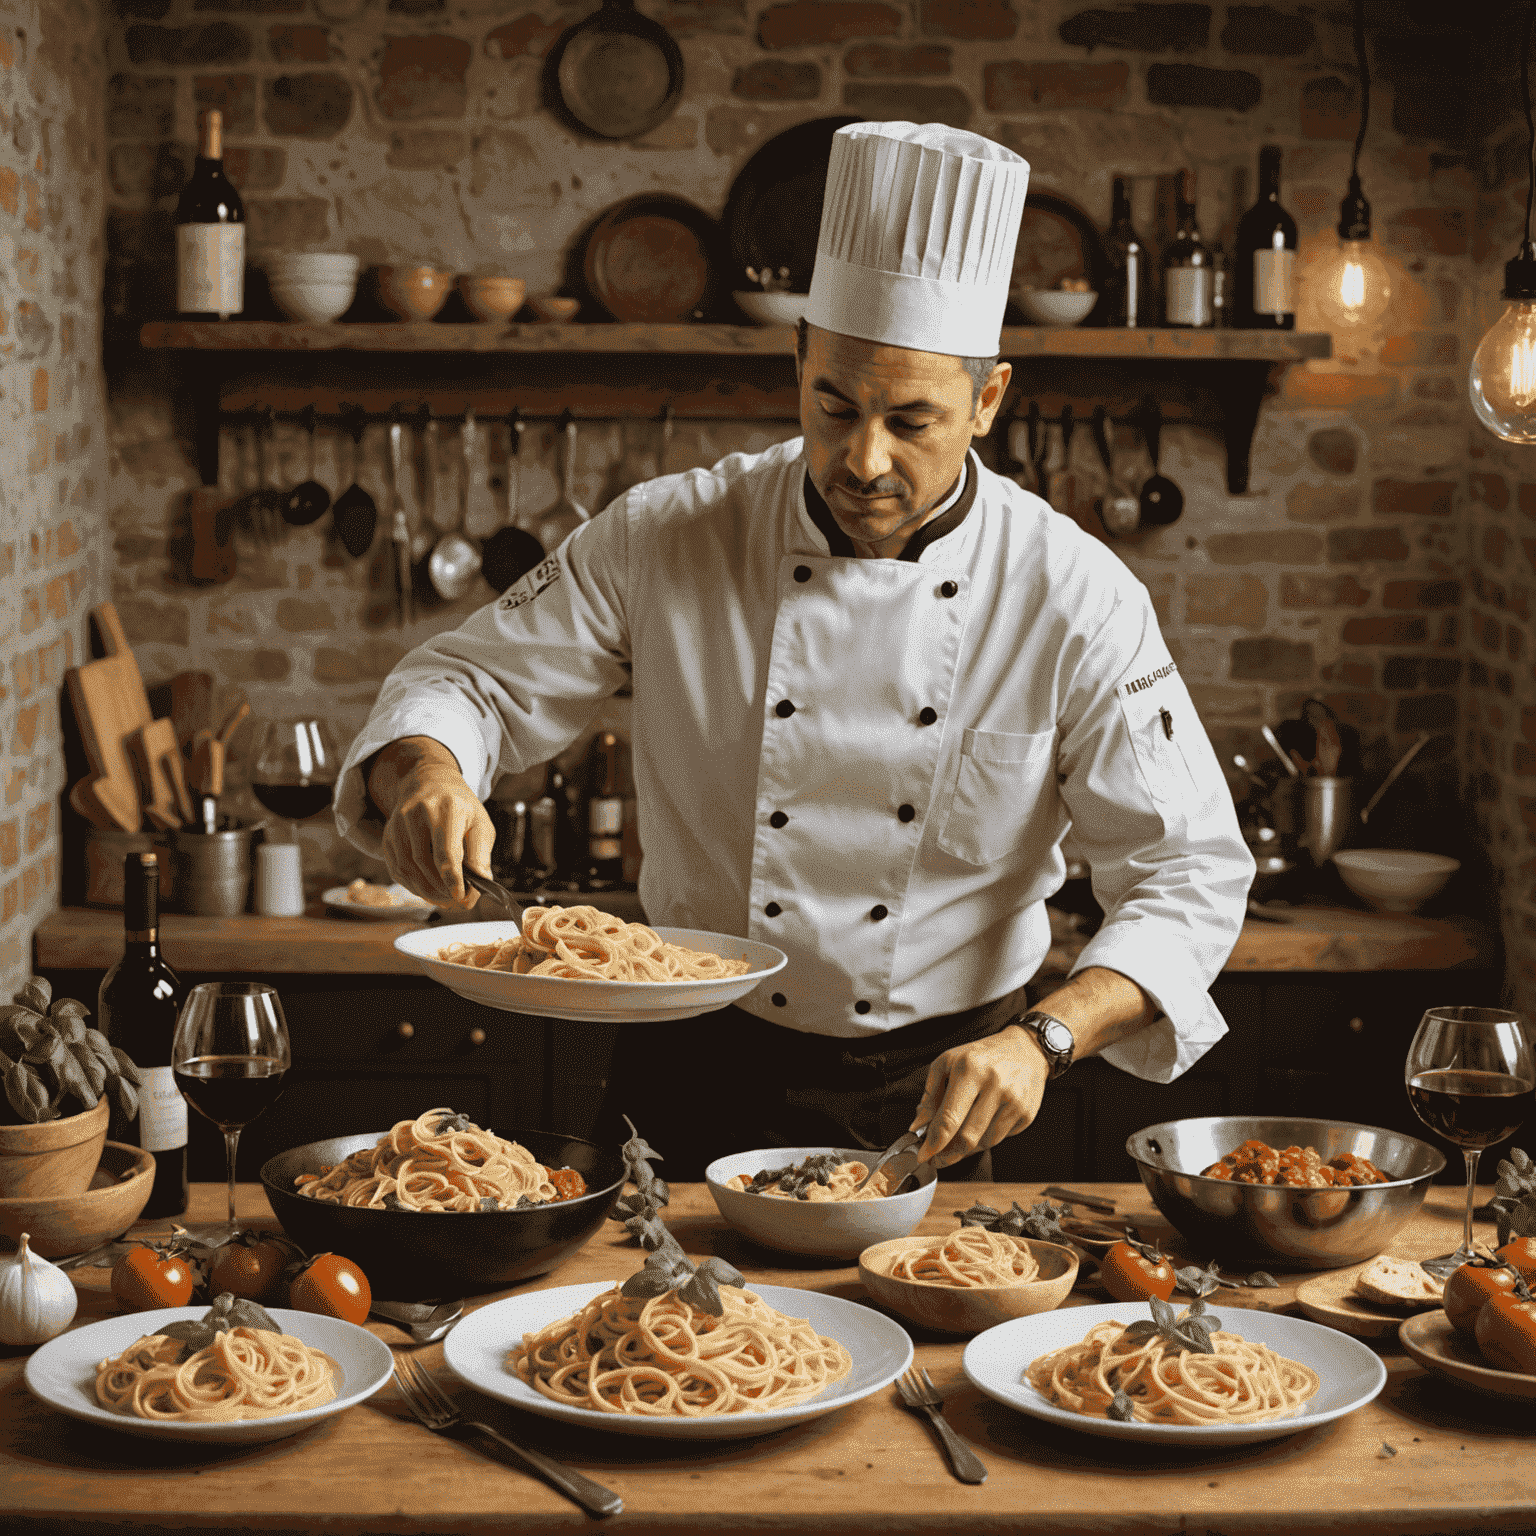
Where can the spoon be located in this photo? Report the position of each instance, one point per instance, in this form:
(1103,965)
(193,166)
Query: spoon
(1391,778)
(565,516)
(1119,511)
(1242,764)
(309,499)
(454,560)
(356,515)
(1162,502)
(425,1323)
(511,552)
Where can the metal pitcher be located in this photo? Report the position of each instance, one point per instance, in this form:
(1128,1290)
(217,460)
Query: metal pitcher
(1326,804)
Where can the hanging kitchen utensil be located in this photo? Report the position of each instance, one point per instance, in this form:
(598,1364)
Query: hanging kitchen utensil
(511,552)
(455,559)
(356,515)
(1039,450)
(616,73)
(266,501)
(421,536)
(309,500)
(1119,511)
(1391,778)
(565,515)
(652,258)
(668,421)
(399,528)
(1162,502)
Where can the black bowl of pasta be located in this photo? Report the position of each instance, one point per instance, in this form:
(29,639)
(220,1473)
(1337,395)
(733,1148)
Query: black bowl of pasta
(415,1255)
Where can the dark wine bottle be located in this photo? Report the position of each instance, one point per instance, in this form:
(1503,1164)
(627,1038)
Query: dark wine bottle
(605,810)
(1130,267)
(210,233)
(1265,260)
(136,1010)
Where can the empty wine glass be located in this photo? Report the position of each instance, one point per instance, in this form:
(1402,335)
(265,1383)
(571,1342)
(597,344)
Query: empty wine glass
(228,1055)
(293,773)
(1471,1080)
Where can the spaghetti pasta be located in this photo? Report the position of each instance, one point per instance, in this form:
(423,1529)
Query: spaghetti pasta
(245,1373)
(1238,1382)
(666,1357)
(584,944)
(441,1161)
(969,1259)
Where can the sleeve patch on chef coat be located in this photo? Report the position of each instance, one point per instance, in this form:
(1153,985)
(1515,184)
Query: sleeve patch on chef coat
(543,576)
(1155,705)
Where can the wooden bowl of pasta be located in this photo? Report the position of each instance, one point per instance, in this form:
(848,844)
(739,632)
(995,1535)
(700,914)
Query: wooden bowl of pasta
(955,1283)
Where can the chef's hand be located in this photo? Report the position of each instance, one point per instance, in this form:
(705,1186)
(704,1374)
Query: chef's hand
(436,824)
(980,1094)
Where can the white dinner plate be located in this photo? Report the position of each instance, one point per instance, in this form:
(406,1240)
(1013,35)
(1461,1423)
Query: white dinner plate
(477,1350)
(405,908)
(602,1002)
(62,1373)
(1352,1374)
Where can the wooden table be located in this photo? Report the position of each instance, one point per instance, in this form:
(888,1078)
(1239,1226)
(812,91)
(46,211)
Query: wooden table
(1461,1462)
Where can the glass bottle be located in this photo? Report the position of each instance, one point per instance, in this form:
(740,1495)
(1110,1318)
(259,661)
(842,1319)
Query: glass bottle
(1187,265)
(210,232)
(1265,259)
(605,809)
(1130,272)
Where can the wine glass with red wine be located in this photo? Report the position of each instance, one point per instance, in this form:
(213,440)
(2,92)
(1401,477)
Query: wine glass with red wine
(228,1057)
(1471,1080)
(294,771)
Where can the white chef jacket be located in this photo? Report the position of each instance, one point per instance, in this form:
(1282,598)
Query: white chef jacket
(869,763)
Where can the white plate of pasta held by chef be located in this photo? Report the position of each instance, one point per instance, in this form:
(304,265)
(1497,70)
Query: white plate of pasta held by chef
(874,685)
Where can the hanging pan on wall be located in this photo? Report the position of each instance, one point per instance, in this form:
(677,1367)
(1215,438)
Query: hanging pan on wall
(616,73)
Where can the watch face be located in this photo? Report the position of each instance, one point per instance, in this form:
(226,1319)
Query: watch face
(1058,1037)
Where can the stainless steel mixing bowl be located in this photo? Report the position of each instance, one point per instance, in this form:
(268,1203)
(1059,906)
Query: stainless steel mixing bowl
(1295,1228)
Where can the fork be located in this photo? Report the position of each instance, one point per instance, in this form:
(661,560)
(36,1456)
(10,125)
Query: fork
(496,891)
(431,1405)
(920,1392)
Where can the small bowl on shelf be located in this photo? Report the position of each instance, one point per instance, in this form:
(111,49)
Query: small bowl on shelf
(58,1225)
(1056,306)
(968,1309)
(554,308)
(831,1229)
(414,293)
(490,298)
(1394,879)
(772,308)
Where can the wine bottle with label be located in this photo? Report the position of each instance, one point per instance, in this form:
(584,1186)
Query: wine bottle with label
(605,810)
(1187,266)
(1130,273)
(1265,260)
(210,233)
(136,1010)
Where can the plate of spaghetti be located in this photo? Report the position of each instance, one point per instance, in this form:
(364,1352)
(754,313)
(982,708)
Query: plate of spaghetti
(582,964)
(120,1373)
(1269,1375)
(666,1370)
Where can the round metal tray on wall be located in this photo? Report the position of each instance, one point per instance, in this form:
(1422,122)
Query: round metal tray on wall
(616,73)
(652,259)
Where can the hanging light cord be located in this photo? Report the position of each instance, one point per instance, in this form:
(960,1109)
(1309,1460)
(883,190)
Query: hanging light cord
(1363,63)
(1530,122)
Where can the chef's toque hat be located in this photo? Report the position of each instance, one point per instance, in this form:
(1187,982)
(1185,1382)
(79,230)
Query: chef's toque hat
(918,227)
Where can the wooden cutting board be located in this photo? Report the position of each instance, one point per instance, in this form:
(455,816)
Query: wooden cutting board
(110,704)
(157,756)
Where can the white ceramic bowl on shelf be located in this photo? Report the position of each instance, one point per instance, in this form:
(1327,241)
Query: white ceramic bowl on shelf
(771,308)
(316,302)
(1056,306)
(325,265)
(1394,879)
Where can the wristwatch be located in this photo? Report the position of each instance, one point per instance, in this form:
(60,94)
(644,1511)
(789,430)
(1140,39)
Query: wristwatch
(1055,1039)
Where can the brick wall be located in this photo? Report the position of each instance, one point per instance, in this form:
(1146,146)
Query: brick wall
(54,548)
(413,130)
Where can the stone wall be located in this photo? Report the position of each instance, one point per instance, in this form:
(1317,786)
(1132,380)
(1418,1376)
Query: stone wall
(409,130)
(54,545)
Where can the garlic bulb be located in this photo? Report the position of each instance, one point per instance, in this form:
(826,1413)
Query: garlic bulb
(37,1299)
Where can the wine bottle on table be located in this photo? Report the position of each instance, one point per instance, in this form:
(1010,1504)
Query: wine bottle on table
(1266,256)
(1187,266)
(1130,271)
(210,233)
(136,1010)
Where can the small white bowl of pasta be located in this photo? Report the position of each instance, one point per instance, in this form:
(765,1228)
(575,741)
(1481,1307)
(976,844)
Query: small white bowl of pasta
(704,971)
(824,1228)
(62,1373)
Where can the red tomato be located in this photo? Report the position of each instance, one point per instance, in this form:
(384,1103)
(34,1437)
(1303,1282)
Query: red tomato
(1129,1273)
(1470,1288)
(1506,1334)
(334,1286)
(143,1279)
(1521,1252)
(568,1183)
(254,1271)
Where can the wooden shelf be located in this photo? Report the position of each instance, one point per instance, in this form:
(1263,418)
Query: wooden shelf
(705,340)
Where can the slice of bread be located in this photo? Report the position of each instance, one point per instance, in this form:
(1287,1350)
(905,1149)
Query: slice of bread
(1399,1283)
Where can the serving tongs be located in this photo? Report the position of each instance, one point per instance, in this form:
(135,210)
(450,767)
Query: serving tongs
(903,1154)
(497,892)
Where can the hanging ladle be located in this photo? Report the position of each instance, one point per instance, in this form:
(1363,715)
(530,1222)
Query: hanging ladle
(511,552)
(455,561)
(1119,511)
(308,500)
(357,517)
(566,514)
(1162,502)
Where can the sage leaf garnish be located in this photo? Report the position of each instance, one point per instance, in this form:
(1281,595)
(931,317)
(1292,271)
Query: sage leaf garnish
(1120,1407)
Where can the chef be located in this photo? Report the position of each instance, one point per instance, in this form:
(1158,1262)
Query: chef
(874,685)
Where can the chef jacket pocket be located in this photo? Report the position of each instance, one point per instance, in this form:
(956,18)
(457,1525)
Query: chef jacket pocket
(1004,782)
(1153,724)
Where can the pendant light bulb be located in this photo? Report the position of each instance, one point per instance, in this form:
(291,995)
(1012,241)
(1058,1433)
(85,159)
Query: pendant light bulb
(1354,283)
(1502,381)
